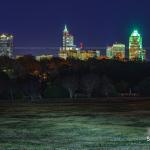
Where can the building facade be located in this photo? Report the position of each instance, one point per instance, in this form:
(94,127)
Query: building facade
(43,57)
(68,40)
(136,51)
(116,51)
(6,45)
(80,54)
(69,49)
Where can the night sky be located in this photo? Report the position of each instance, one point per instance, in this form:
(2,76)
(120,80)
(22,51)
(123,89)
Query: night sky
(96,23)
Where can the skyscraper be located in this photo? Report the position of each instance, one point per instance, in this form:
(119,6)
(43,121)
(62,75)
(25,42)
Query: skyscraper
(116,51)
(69,50)
(136,51)
(68,40)
(6,45)
(109,52)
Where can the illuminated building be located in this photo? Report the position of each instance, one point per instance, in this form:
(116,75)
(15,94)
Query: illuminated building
(102,57)
(116,51)
(80,54)
(68,40)
(38,58)
(69,50)
(69,54)
(44,57)
(6,45)
(109,53)
(63,54)
(18,56)
(88,54)
(136,51)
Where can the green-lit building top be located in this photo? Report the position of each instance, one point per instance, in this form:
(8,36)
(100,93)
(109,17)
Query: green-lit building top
(136,51)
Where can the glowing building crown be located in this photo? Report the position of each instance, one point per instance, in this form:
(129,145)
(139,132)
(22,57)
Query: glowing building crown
(135,33)
(65,30)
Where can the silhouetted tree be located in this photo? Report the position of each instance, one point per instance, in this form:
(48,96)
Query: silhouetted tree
(89,82)
(71,84)
(4,85)
(144,87)
(28,65)
(122,87)
(106,87)
(55,91)
(29,86)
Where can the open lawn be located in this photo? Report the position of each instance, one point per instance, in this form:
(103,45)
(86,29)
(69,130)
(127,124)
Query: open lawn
(116,126)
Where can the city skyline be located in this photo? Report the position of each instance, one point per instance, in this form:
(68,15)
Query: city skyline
(75,41)
(120,50)
(69,49)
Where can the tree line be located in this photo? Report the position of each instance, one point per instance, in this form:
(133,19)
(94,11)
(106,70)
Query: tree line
(27,78)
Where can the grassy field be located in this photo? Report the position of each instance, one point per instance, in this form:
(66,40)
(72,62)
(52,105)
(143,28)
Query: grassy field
(115,126)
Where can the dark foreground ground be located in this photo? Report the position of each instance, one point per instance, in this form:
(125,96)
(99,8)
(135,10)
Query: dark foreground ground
(105,126)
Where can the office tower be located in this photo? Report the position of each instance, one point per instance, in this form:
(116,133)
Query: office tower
(6,45)
(116,51)
(136,51)
(69,50)
(68,40)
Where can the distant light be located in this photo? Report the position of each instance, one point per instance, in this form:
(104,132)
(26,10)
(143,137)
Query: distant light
(135,33)
(65,30)
(3,36)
